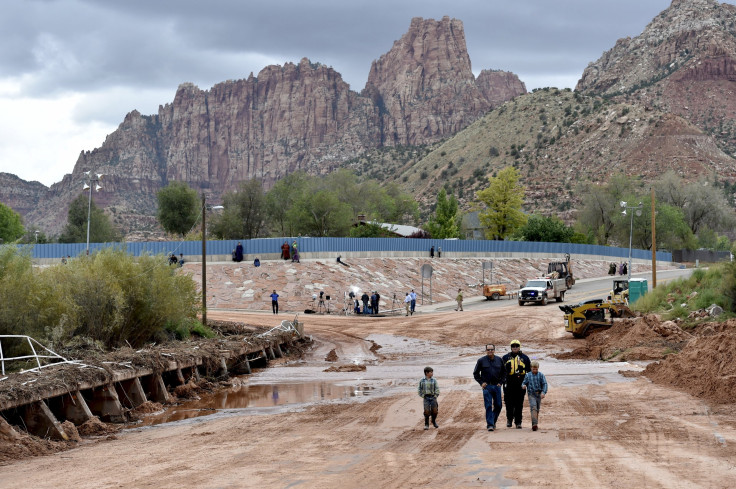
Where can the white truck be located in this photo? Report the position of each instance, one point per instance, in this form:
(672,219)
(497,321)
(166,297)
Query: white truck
(542,290)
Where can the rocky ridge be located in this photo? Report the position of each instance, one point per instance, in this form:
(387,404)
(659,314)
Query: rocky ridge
(684,62)
(293,117)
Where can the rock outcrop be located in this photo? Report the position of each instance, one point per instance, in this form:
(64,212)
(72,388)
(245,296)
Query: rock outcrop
(683,62)
(293,117)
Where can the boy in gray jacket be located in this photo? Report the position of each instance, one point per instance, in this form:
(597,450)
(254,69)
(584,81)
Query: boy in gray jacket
(535,384)
(429,390)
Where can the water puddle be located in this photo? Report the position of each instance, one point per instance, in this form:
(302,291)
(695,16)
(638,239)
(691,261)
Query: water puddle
(253,397)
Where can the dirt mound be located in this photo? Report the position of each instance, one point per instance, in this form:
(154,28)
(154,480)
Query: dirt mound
(148,407)
(71,431)
(95,427)
(644,338)
(332,356)
(346,368)
(187,391)
(16,445)
(705,367)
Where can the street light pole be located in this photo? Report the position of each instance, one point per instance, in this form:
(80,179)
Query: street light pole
(637,209)
(88,185)
(204,260)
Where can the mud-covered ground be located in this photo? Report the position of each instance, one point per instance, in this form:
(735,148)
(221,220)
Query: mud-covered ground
(603,424)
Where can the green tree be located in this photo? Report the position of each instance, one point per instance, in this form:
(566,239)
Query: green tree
(320,213)
(446,221)
(101,229)
(601,207)
(245,213)
(672,230)
(281,198)
(548,229)
(11,226)
(179,208)
(502,200)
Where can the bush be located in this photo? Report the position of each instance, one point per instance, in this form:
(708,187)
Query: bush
(108,299)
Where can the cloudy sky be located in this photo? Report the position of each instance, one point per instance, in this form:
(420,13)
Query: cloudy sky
(71,69)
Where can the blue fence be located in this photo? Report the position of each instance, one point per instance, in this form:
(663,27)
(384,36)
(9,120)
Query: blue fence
(347,245)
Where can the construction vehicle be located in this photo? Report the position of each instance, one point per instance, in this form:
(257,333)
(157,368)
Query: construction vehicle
(563,270)
(620,291)
(541,290)
(585,317)
(494,292)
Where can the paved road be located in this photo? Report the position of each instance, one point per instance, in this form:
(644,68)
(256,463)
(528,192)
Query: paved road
(583,290)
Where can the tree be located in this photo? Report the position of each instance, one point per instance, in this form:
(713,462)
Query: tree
(281,198)
(101,229)
(245,213)
(446,221)
(601,206)
(11,226)
(178,208)
(547,229)
(320,213)
(502,199)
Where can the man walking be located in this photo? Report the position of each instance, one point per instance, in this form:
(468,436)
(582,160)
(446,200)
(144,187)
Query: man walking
(490,374)
(517,365)
(275,302)
(413,296)
(459,300)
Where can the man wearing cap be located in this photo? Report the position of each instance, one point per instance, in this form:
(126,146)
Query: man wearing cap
(516,366)
(489,372)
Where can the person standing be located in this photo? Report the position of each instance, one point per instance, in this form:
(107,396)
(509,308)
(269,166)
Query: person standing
(490,374)
(285,251)
(439,252)
(239,252)
(364,298)
(275,302)
(535,384)
(293,248)
(429,390)
(378,302)
(517,365)
(431,252)
(413,296)
(407,303)
(374,303)
(459,300)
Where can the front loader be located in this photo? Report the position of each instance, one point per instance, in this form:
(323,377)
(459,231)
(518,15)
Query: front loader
(585,317)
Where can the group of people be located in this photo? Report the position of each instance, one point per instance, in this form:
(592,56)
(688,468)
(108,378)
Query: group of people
(439,252)
(370,303)
(512,376)
(173,260)
(290,251)
(623,269)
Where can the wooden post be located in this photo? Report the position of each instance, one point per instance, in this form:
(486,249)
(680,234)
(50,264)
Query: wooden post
(204,260)
(654,244)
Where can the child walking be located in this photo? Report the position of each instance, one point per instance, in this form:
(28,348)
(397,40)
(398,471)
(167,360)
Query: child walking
(537,389)
(429,390)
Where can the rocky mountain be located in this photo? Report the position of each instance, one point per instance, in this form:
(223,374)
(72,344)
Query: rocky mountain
(559,139)
(22,196)
(684,62)
(293,117)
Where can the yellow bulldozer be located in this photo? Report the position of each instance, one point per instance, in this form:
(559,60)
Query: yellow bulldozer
(585,317)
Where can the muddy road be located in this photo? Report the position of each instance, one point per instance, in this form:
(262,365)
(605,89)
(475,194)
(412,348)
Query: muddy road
(598,427)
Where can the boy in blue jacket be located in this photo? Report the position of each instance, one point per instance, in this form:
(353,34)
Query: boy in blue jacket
(535,384)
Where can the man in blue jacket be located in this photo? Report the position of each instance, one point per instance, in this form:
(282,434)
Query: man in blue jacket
(490,373)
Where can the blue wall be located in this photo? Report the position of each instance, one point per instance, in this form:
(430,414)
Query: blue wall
(347,245)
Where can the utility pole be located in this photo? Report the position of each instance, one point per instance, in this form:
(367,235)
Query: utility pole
(204,260)
(654,245)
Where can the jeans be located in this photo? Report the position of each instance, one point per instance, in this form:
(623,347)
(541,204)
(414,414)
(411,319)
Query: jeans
(535,402)
(413,306)
(275,306)
(492,401)
(430,408)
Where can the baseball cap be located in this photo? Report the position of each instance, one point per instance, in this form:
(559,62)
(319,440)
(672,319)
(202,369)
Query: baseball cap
(515,343)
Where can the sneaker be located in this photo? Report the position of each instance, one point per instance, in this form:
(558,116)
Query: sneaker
(534,428)
(435,424)
(490,428)
(518,426)
(508,424)
(426,426)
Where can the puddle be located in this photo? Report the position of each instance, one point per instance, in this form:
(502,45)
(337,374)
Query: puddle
(256,396)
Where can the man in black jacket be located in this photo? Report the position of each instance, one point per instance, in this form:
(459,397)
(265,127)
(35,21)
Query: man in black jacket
(490,373)
(517,365)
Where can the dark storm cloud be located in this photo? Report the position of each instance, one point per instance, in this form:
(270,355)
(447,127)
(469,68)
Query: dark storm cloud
(90,45)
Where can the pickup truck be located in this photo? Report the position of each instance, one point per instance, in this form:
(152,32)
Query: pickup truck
(542,290)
